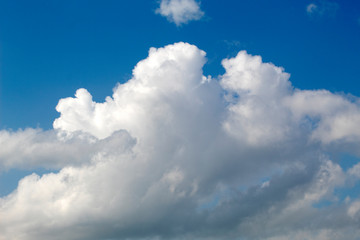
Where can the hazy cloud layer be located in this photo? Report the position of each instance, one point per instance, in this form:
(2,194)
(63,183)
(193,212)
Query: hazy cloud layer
(173,154)
(180,11)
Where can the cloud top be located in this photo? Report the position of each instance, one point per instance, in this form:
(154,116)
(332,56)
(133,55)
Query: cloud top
(180,11)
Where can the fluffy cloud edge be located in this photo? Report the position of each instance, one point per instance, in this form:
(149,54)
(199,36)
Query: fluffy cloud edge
(180,11)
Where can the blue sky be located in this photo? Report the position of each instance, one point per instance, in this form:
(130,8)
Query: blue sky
(51,48)
(180,119)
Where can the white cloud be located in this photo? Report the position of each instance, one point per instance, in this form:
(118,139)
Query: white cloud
(322,7)
(311,8)
(355,170)
(256,115)
(174,154)
(334,116)
(354,209)
(318,235)
(32,148)
(180,11)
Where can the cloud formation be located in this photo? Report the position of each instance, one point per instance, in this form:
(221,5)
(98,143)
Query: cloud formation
(180,11)
(173,154)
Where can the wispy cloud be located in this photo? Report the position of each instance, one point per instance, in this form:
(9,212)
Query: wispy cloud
(180,11)
(320,8)
(173,154)
(311,8)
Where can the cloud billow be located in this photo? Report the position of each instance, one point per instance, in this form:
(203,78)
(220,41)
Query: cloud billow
(173,154)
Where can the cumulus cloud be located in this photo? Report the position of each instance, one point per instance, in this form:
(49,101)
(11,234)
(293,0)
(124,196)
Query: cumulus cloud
(173,154)
(180,11)
(31,148)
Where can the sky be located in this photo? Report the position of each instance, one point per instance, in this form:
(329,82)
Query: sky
(179,119)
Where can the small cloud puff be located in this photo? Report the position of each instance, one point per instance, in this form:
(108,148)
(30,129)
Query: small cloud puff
(180,11)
